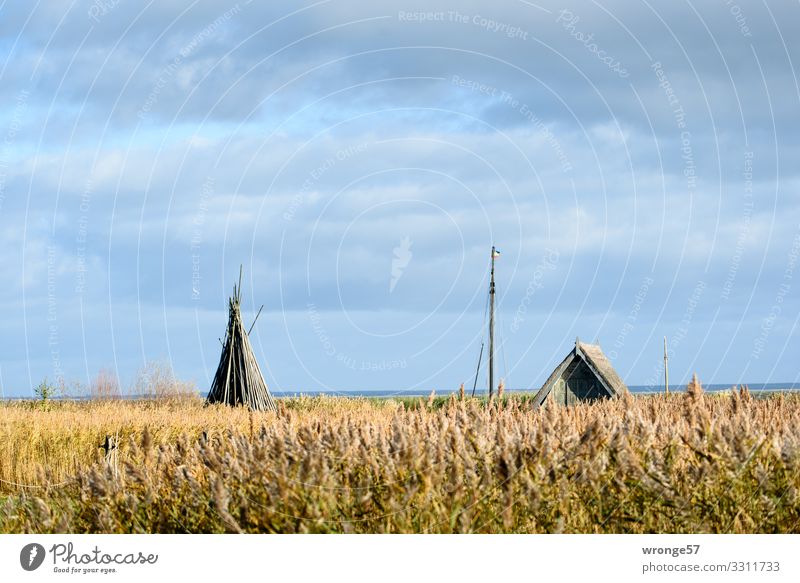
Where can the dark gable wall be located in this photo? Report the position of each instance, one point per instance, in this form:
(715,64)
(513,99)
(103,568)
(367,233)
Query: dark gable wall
(577,383)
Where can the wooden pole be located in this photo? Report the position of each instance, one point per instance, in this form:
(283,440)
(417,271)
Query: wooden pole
(477,372)
(109,447)
(491,328)
(666,368)
(256,320)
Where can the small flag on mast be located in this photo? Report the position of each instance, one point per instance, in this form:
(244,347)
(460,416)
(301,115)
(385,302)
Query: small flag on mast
(495,253)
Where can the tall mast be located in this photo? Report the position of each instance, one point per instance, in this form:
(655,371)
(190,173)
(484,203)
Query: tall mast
(491,328)
(666,367)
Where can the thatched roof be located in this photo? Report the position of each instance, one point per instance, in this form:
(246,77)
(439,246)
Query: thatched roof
(238,380)
(597,362)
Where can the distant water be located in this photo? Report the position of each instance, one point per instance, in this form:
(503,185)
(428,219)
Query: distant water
(637,389)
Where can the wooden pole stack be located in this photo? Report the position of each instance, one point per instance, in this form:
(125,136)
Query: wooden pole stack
(238,381)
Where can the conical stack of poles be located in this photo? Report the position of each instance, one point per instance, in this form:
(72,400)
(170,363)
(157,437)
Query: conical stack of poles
(238,381)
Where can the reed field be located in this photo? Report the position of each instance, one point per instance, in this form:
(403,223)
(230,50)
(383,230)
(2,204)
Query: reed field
(687,462)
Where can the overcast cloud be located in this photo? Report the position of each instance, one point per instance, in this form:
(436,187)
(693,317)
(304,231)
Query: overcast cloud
(634,161)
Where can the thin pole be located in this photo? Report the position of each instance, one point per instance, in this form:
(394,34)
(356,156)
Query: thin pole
(477,372)
(666,368)
(256,320)
(491,328)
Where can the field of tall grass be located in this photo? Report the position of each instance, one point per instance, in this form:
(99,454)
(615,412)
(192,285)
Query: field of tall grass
(687,462)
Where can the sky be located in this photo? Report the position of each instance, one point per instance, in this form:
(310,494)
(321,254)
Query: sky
(634,162)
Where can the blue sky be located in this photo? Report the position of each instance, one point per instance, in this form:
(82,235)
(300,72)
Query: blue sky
(635,163)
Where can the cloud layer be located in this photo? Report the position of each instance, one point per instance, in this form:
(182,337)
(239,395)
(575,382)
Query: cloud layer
(633,162)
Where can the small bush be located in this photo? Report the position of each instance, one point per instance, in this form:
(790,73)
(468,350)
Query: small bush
(45,392)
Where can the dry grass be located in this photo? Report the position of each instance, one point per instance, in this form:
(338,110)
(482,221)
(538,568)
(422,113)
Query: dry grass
(683,463)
